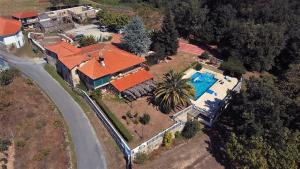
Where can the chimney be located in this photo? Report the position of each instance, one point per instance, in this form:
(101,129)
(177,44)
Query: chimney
(101,59)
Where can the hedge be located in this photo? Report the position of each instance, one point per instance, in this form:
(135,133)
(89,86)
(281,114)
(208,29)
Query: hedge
(119,126)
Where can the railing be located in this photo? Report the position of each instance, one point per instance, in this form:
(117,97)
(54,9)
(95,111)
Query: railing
(152,141)
(37,44)
(182,112)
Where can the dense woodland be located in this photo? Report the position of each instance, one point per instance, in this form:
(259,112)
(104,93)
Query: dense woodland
(262,121)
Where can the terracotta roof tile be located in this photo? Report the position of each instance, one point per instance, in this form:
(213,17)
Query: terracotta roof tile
(63,49)
(71,61)
(9,26)
(25,14)
(131,80)
(115,60)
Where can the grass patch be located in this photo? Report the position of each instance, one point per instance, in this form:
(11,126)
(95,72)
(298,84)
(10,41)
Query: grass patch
(76,96)
(116,122)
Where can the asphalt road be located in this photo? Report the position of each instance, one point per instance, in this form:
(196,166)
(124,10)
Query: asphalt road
(89,152)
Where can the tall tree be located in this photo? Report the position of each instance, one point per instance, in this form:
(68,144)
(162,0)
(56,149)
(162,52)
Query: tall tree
(256,45)
(167,38)
(136,39)
(173,92)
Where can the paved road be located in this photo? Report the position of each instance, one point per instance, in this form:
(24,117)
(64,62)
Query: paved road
(89,152)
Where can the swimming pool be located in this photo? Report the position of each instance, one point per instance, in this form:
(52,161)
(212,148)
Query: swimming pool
(201,83)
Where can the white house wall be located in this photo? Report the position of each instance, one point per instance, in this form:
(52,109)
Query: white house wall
(17,40)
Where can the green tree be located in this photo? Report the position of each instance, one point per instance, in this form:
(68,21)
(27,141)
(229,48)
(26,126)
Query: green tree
(114,21)
(145,119)
(167,38)
(168,139)
(87,40)
(173,92)
(256,45)
(233,66)
(136,38)
(191,128)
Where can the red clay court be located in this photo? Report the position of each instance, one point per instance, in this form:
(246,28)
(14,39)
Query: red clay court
(189,48)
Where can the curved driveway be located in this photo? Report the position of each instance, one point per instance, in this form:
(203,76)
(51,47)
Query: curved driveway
(89,152)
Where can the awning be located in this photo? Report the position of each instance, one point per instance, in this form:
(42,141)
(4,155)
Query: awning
(131,80)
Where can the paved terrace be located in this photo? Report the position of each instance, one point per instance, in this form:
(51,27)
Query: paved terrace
(211,102)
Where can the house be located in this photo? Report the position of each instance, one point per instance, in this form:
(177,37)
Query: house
(27,18)
(52,21)
(81,14)
(10,33)
(101,66)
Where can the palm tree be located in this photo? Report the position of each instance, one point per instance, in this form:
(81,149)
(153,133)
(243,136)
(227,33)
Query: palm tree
(173,91)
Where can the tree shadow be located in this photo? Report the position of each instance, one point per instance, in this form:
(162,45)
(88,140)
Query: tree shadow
(214,51)
(218,134)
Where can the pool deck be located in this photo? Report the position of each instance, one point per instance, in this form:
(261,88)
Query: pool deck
(211,102)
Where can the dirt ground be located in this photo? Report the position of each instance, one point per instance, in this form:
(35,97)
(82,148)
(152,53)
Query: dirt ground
(158,121)
(35,126)
(191,154)
(7,7)
(178,63)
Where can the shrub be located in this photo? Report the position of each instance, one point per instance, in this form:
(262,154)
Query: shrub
(40,124)
(4,166)
(145,119)
(119,126)
(177,134)
(29,82)
(87,40)
(140,158)
(129,114)
(96,94)
(198,66)
(20,143)
(204,55)
(57,124)
(7,76)
(4,143)
(168,139)
(191,128)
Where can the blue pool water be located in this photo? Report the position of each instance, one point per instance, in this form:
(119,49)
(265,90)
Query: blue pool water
(201,82)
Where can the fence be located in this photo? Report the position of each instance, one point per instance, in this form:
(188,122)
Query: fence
(114,133)
(157,140)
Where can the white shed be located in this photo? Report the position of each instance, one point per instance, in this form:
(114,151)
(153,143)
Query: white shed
(11,32)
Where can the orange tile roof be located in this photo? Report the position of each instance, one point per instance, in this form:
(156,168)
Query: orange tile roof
(115,60)
(75,60)
(116,38)
(131,80)
(63,49)
(25,14)
(9,26)
(92,48)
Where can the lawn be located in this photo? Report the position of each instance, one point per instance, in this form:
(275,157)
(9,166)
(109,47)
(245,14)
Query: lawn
(33,123)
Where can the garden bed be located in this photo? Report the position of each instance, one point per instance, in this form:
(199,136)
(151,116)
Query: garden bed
(122,110)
